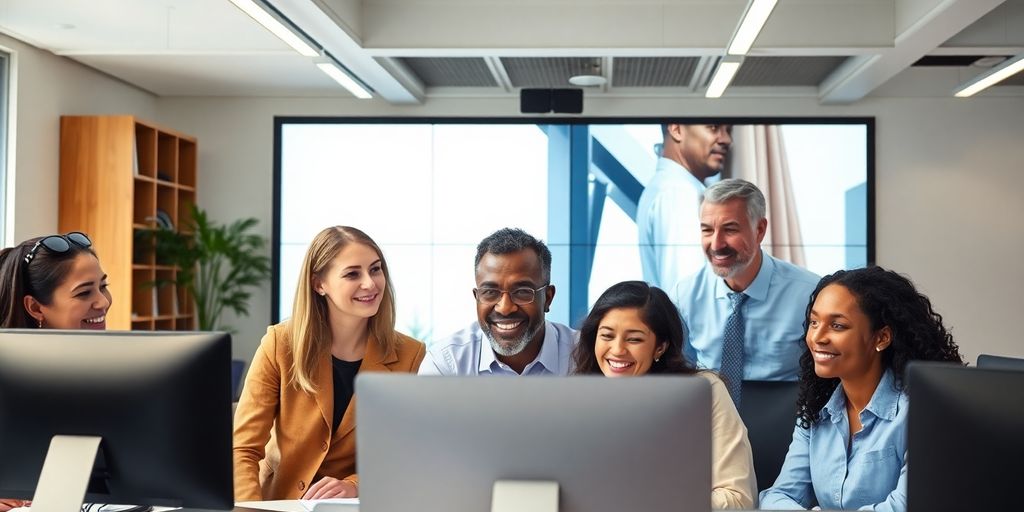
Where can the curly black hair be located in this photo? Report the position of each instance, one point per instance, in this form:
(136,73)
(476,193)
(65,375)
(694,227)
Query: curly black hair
(656,310)
(887,299)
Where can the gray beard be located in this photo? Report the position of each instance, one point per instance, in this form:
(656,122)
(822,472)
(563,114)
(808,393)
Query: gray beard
(513,347)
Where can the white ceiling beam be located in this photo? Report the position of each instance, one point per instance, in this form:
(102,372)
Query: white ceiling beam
(472,25)
(860,75)
(421,51)
(323,26)
(499,73)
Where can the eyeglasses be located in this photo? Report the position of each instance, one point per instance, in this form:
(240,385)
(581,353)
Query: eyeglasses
(59,244)
(520,296)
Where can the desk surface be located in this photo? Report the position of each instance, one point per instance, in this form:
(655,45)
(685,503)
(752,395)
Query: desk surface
(290,506)
(276,505)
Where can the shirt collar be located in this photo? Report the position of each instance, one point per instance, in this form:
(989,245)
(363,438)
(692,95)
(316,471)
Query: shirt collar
(669,165)
(547,358)
(758,289)
(883,404)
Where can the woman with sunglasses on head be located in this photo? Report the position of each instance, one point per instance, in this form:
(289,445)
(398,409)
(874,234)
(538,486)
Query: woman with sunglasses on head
(53,282)
(849,448)
(633,330)
(295,425)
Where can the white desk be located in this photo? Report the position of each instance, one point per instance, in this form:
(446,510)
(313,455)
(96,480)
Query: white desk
(295,506)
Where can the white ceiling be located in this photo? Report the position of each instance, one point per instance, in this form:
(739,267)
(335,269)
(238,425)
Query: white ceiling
(410,50)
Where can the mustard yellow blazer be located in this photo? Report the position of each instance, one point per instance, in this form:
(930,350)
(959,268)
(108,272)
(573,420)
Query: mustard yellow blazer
(282,439)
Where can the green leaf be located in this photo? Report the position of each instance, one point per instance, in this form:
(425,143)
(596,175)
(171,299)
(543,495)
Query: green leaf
(217,264)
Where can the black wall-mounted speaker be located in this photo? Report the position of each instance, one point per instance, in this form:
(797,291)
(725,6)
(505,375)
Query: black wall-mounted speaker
(535,101)
(543,101)
(567,101)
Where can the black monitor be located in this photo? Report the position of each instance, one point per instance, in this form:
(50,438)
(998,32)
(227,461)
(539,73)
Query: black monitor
(965,442)
(989,361)
(158,405)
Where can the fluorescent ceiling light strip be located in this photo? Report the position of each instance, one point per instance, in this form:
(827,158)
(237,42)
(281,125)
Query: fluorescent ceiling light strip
(723,75)
(344,79)
(991,77)
(276,26)
(753,21)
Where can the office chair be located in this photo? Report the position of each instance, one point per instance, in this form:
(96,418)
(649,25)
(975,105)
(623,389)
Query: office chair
(768,408)
(237,365)
(992,362)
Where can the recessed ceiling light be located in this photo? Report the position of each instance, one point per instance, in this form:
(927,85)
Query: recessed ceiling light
(988,62)
(588,80)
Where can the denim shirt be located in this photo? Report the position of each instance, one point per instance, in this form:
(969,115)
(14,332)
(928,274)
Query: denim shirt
(870,475)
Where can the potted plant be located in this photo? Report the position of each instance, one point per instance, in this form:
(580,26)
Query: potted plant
(218,265)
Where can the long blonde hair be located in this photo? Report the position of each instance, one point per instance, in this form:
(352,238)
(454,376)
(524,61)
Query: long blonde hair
(310,329)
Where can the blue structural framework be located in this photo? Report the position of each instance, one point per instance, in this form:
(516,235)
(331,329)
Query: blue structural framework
(582,173)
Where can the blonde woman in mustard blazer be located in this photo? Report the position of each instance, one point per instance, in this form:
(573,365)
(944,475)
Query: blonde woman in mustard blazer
(295,422)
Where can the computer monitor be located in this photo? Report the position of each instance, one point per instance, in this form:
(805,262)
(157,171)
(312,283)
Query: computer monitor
(436,444)
(964,442)
(158,405)
(990,361)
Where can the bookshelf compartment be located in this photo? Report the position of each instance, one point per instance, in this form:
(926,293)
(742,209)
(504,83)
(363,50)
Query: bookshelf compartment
(145,151)
(144,211)
(187,163)
(142,293)
(167,158)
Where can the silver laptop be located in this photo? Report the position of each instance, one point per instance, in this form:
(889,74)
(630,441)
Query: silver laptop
(465,444)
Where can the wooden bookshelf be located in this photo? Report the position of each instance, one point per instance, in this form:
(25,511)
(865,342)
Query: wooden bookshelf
(120,175)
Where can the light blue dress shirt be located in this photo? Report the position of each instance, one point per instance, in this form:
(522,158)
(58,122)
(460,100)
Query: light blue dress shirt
(668,224)
(468,352)
(773,318)
(870,475)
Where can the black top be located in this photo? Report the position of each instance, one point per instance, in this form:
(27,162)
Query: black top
(344,386)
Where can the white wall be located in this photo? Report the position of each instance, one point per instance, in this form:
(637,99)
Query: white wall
(948,176)
(47,87)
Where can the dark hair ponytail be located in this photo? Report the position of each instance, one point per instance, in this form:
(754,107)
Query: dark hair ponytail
(40,278)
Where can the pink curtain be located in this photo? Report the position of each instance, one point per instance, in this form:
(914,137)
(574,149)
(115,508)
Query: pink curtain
(758,155)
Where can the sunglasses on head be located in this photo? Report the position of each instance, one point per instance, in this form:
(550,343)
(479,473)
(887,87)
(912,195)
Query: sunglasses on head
(59,244)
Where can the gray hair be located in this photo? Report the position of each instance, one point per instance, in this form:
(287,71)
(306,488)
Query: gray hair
(736,188)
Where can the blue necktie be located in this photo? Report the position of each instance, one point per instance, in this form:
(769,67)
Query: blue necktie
(732,347)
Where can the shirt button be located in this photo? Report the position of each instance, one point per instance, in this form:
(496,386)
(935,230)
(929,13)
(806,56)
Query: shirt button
(302,485)
(324,446)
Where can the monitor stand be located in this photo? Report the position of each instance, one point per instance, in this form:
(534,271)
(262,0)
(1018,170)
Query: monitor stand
(519,495)
(65,475)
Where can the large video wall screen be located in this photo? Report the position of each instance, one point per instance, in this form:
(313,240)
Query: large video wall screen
(428,190)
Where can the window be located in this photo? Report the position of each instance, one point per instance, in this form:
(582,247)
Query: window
(5,87)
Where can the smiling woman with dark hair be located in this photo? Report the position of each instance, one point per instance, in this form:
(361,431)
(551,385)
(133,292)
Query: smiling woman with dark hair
(52,282)
(849,447)
(633,330)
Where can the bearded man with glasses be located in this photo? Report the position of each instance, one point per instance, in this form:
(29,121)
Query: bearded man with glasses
(510,337)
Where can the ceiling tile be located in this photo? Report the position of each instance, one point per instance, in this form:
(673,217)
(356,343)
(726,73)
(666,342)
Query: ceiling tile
(654,71)
(451,71)
(785,71)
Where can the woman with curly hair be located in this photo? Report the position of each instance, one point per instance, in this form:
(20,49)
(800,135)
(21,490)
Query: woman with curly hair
(849,448)
(633,330)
